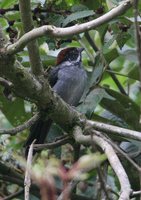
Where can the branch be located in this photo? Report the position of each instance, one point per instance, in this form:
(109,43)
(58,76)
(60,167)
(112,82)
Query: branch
(115,79)
(11,179)
(6,171)
(12,196)
(110,129)
(63,32)
(27,180)
(52,145)
(5,83)
(138,33)
(33,49)
(135,193)
(12,175)
(112,157)
(24,83)
(124,154)
(68,189)
(103,186)
(22,127)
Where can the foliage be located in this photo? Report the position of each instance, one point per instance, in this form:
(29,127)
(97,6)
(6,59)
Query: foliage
(113,91)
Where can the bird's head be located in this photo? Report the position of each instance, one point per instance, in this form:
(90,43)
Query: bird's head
(72,54)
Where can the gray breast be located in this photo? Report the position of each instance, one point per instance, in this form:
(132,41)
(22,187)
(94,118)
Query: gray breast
(71,84)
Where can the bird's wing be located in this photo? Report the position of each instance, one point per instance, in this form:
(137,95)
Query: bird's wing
(53,76)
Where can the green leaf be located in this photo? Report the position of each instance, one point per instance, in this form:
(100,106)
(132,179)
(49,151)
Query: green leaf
(102,31)
(111,54)
(131,55)
(14,16)
(108,44)
(78,15)
(8,3)
(97,72)
(92,100)
(113,119)
(3,23)
(122,39)
(55,132)
(14,110)
(92,4)
(134,73)
(123,107)
(133,149)
(78,7)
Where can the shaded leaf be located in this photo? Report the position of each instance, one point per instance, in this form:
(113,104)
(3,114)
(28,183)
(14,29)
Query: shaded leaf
(92,100)
(14,110)
(102,31)
(78,15)
(91,4)
(78,7)
(134,72)
(131,55)
(111,54)
(122,39)
(97,72)
(113,119)
(123,107)
(9,3)
(108,44)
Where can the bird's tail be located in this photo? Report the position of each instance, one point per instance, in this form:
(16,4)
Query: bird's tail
(38,131)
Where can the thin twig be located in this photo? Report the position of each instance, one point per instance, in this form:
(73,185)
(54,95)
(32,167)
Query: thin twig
(27,180)
(102,182)
(124,154)
(12,196)
(91,42)
(135,193)
(22,127)
(5,83)
(110,129)
(52,145)
(69,189)
(115,79)
(12,179)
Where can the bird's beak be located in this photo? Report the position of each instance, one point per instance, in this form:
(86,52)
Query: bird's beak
(81,49)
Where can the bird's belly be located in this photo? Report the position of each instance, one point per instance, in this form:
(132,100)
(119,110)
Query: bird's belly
(71,87)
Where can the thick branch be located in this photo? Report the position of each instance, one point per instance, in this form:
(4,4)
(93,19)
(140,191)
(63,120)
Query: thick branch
(26,86)
(24,83)
(112,157)
(33,49)
(62,32)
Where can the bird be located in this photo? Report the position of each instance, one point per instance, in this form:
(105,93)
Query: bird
(68,79)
